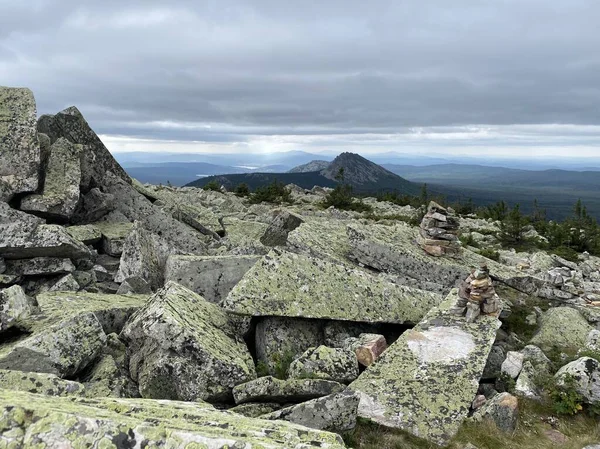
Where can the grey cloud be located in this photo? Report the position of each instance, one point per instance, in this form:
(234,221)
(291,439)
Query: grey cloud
(339,66)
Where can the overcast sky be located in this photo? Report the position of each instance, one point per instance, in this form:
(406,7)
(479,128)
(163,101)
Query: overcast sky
(501,77)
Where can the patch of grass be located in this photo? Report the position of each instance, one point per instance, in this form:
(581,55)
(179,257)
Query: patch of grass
(566,253)
(467,240)
(368,435)
(262,369)
(282,363)
(490,254)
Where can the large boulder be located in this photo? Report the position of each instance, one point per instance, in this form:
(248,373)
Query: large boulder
(502,410)
(584,373)
(180,346)
(19,146)
(271,389)
(96,160)
(56,422)
(134,206)
(293,285)
(280,340)
(337,364)
(212,277)
(63,349)
(335,413)
(144,255)
(15,305)
(425,382)
(562,328)
(282,223)
(60,194)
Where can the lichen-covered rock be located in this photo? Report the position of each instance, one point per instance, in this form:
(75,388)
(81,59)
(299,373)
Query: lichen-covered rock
(15,305)
(30,420)
(211,277)
(134,285)
(282,223)
(335,413)
(425,382)
(180,346)
(271,389)
(592,342)
(135,206)
(113,236)
(88,234)
(65,284)
(255,409)
(513,364)
(60,194)
(43,241)
(585,373)
(537,358)
(63,349)
(42,383)
(293,285)
(337,364)
(96,160)
(281,340)
(502,410)
(338,332)
(107,379)
(308,239)
(39,266)
(525,385)
(562,328)
(93,206)
(144,255)
(19,146)
(494,362)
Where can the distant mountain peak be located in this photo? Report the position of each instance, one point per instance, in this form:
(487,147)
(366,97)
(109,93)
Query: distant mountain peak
(312,166)
(358,170)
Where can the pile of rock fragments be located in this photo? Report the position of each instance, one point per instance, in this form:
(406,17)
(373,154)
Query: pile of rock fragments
(148,315)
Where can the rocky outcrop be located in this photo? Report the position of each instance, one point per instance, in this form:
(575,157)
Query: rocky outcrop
(212,277)
(83,422)
(293,285)
(60,193)
(425,382)
(282,223)
(180,346)
(19,147)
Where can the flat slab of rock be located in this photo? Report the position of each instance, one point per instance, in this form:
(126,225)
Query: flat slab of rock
(88,234)
(39,266)
(271,389)
(19,146)
(426,381)
(335,413)
(393,249)
(180,346)
(292,285)
(211,277)
(81,422)
(42,383)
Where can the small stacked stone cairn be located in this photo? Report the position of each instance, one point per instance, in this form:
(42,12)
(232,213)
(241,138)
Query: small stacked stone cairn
(477,295)
(439,231)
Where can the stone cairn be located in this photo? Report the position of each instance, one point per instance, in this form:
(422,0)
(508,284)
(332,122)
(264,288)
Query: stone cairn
(477,295)
(439,231)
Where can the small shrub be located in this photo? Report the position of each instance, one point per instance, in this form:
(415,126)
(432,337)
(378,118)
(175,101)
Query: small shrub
(212,185)
(276,193)
(282,363)
(490,254)
(467,240)
(505,383)
(341,198)
(565,399)
(262,369)
(566,253)
(242,190)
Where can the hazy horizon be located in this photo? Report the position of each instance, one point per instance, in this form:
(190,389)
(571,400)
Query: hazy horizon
(515,79)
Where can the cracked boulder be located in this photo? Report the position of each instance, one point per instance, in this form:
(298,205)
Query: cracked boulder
(60,194)
(281,225)
(19,147)
(180,346)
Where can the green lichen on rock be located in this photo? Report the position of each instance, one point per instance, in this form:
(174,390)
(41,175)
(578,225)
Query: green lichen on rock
(255,409)
(293,285)
(180,346)
(87,234)
(15,306)
(19,146)
(322,362)
(562,328)
(42,383)
(271,389)
(425,382)
(30,420)
(60,194)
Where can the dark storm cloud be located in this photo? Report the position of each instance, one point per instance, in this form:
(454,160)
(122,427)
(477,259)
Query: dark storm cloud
(292,68)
